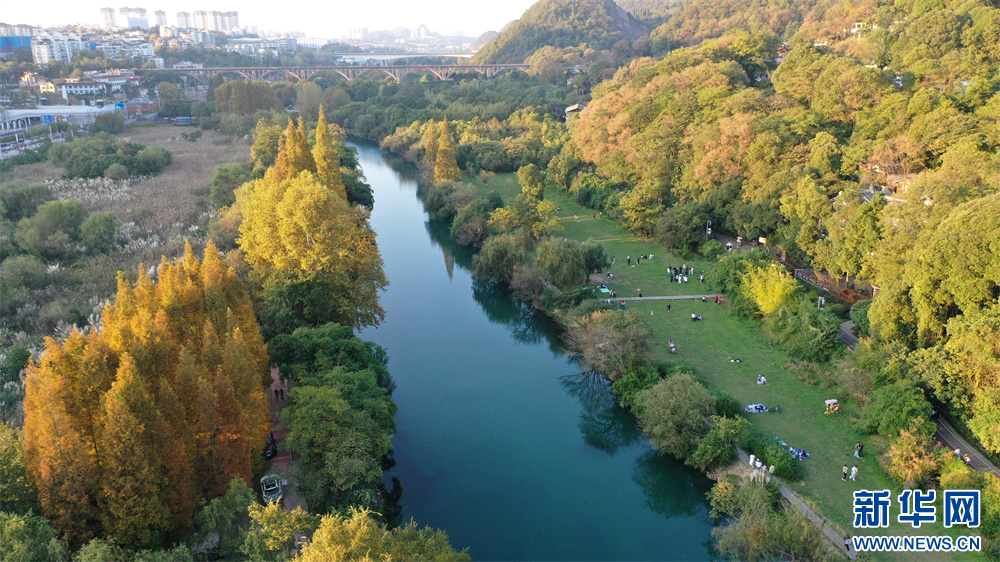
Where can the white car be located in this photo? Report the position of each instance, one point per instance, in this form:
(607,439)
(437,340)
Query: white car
(270,487)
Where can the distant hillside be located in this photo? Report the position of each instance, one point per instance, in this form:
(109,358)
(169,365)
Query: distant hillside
(562,23)
(652,13)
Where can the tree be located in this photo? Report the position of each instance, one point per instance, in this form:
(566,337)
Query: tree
(770,288)
(53,229)
(681,228)
(168,94)
(113,123)
(910,459)
(274,531)
(672,414)
(594,256)
(432,134)
(264,150)
(610,343)
(98,233)
(561,260)
(531,181)
(499,257)
(16,495)
(130,490)
(225,179)
(446,163)
(718,447)
(327,157)
(30,537)
(298,231)
(228,517)
(356,536)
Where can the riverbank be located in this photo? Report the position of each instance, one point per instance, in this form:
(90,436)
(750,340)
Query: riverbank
(708,349)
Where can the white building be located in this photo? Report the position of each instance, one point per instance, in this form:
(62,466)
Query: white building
(108,18)
(55,47)
(135,17)
(187,65)
(161,17)
(201,20)
(79,88)
(184,19)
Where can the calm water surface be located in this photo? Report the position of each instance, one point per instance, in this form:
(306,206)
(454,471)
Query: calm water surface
(502,441)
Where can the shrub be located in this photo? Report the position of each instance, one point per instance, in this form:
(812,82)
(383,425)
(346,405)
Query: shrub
(17,359)
(911,459)
(639,377)
(610,342)
(718,447)
(97,233)
(53,229)
(21,201)
(22,271)
(895,407)
(838,310)
(500,256)
(771,453)
(116,171)
(859,315)
(526,284)
(712,250)
(113,123)
(225,179)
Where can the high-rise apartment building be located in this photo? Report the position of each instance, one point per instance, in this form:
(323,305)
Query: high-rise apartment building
(161,18)
(108,18)
(55,47)
(135,17)
(201,20)
(184,19)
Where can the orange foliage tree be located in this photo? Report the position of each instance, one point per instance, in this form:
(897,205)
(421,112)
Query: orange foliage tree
(126,426)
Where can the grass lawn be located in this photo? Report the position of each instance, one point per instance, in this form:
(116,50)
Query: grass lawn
(706,348)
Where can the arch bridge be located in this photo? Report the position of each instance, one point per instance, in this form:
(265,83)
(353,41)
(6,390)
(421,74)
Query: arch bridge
(349,72)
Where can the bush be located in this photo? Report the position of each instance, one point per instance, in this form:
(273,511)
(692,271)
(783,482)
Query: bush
(672,413)
(610,342)
(771,453)
(526,284)
(17,359)
(895,407)
(21,201)
(116,171)
(859,315)
(639,377)
(225,179)
(22,271)
(500,256)
(53,230)
(113,123)
(838,310)
(712,250)
(97,233)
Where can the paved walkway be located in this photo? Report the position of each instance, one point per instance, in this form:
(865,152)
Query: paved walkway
(947,435)
(847,335)
(673,298)
(833,536)
(281,464)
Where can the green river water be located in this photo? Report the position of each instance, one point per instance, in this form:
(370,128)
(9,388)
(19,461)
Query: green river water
(502,441)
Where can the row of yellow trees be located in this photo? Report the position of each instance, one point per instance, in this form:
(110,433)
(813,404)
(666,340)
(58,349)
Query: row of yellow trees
(162,403)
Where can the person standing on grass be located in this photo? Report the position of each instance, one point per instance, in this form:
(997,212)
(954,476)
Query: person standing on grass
(844,478)
(668,307)
(857,450)
(854,473)
(752,459)
(628,260)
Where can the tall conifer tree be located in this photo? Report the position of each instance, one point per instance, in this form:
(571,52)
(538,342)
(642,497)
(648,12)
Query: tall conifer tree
(327,157)
(446,165)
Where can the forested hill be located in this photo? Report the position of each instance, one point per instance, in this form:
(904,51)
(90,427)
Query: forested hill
(562,23)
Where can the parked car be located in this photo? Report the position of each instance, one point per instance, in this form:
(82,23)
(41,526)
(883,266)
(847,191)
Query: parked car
(270,487)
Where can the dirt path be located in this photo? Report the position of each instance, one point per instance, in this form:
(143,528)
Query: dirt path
(282,463)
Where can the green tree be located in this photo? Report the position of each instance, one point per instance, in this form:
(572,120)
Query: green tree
(895,407)
(673,413)
(718,447)
(611,343)
(594,256)
(30,537)
(274,530)
(53,230)
(531,181)
(432,134)
(98,233)
(681,228)
(562,261)
(16,495)
(228,516)
(225,179)
(499,257)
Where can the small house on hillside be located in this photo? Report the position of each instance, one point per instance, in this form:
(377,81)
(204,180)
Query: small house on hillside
(574,109)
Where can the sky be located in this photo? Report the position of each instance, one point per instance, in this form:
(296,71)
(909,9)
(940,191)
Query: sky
(329,18)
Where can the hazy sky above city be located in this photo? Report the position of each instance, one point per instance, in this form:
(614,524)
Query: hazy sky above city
(330,18)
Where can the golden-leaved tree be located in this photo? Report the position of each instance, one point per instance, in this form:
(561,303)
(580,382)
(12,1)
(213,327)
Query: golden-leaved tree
(446,163)
(126,426)
(327,157)
(313,254)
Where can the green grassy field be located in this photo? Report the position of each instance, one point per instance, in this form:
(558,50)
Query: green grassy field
(706,348)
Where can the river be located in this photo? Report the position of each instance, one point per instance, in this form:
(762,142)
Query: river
(502,441)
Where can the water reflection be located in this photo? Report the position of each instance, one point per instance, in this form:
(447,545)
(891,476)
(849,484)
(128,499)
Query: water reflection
(604,424)
(668,486)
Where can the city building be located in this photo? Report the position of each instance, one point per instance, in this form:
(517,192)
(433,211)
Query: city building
(161,18)
(184,19)
(31,80)
(201,20)
(17,36)
(125,49)
(75,87)
(254,45)
(135,17)
(115,77)
(108,18)
(55,47)
(187,65)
